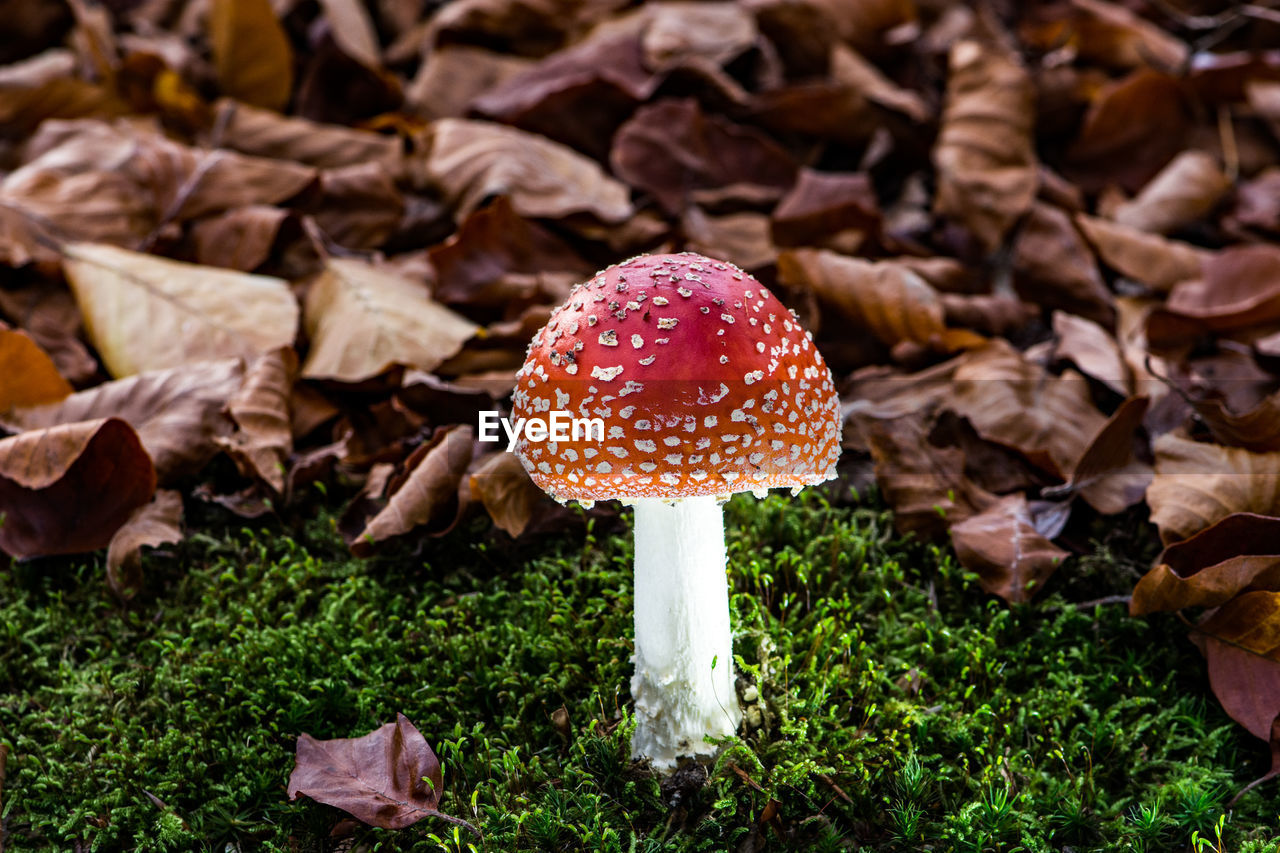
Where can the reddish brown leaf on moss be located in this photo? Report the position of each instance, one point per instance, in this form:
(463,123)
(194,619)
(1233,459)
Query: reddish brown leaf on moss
(1239,552)
(68,489)
(388,778)
(1247,685)
(1002,545)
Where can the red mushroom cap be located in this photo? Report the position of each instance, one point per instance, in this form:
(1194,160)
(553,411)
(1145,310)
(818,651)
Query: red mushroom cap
(705,382)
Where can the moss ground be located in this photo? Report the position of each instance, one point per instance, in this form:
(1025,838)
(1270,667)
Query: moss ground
(900,707)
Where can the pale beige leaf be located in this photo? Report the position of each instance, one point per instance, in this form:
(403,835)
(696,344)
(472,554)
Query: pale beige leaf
(472,160)
(682,33)
(985,154)
(363,321)
(251,52)
(1197,484)
(506,491)
(1185,190)
(144,312)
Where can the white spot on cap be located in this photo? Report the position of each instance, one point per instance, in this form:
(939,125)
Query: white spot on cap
(667,322)
(646,445)
(637,341)
(606,373)
(609,338)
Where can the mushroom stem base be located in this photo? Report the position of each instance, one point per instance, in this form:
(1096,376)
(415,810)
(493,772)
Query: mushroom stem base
(684,683)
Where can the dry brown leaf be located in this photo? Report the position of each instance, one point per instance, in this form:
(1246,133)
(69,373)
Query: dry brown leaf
(864,23)
(1011,401)
(1092,349)
(830,210)
(68,489)
(428,491)
(1001,544)
(1054,268)
(1238,552)
(326,146)
(359,206)
(453,78)
(251,52)
(1248,686)
(260,410)
(239,239)
(177,412)
(744,239)
(144,313)
(925,484)
(498,260)
(1134,126)
(51,317)
(672,148)
(1250,621)
(1109,34)
(1197,484)
(1110,476)
(1238,287)
(363,321)
(508,495)
(157,523)
(999,314)
(28,377)
(681,33)
(886,299)
(1157,262)
(523,27)
(1185,190)
(850,69)
(984,154)
(472,160)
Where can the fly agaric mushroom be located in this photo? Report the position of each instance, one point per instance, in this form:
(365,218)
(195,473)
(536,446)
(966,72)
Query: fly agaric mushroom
(706,385)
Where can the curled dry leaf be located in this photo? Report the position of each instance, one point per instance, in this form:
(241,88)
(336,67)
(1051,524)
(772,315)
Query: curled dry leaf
(260,410)
(144,313)
(1197,484)
(1009,400)
(353,30)
(472,160)
(1107,33)
(28,377)
(68,489)
(363,321)
(886,299)
(455,77)
(1185,190)
(251,52)
(672,148)
(1248,686)
(427,491)
(1157,262)
(508,495)
(682,33)
(388,778)
(1002,545)
(1237,553)
(984,155)
(157,523)
(177,413)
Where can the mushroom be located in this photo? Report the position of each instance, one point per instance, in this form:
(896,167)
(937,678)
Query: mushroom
(705,385)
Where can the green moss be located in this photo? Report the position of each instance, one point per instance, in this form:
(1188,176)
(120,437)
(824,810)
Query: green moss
(900,708)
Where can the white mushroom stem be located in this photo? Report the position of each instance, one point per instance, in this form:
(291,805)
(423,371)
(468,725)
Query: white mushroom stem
(683,684)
